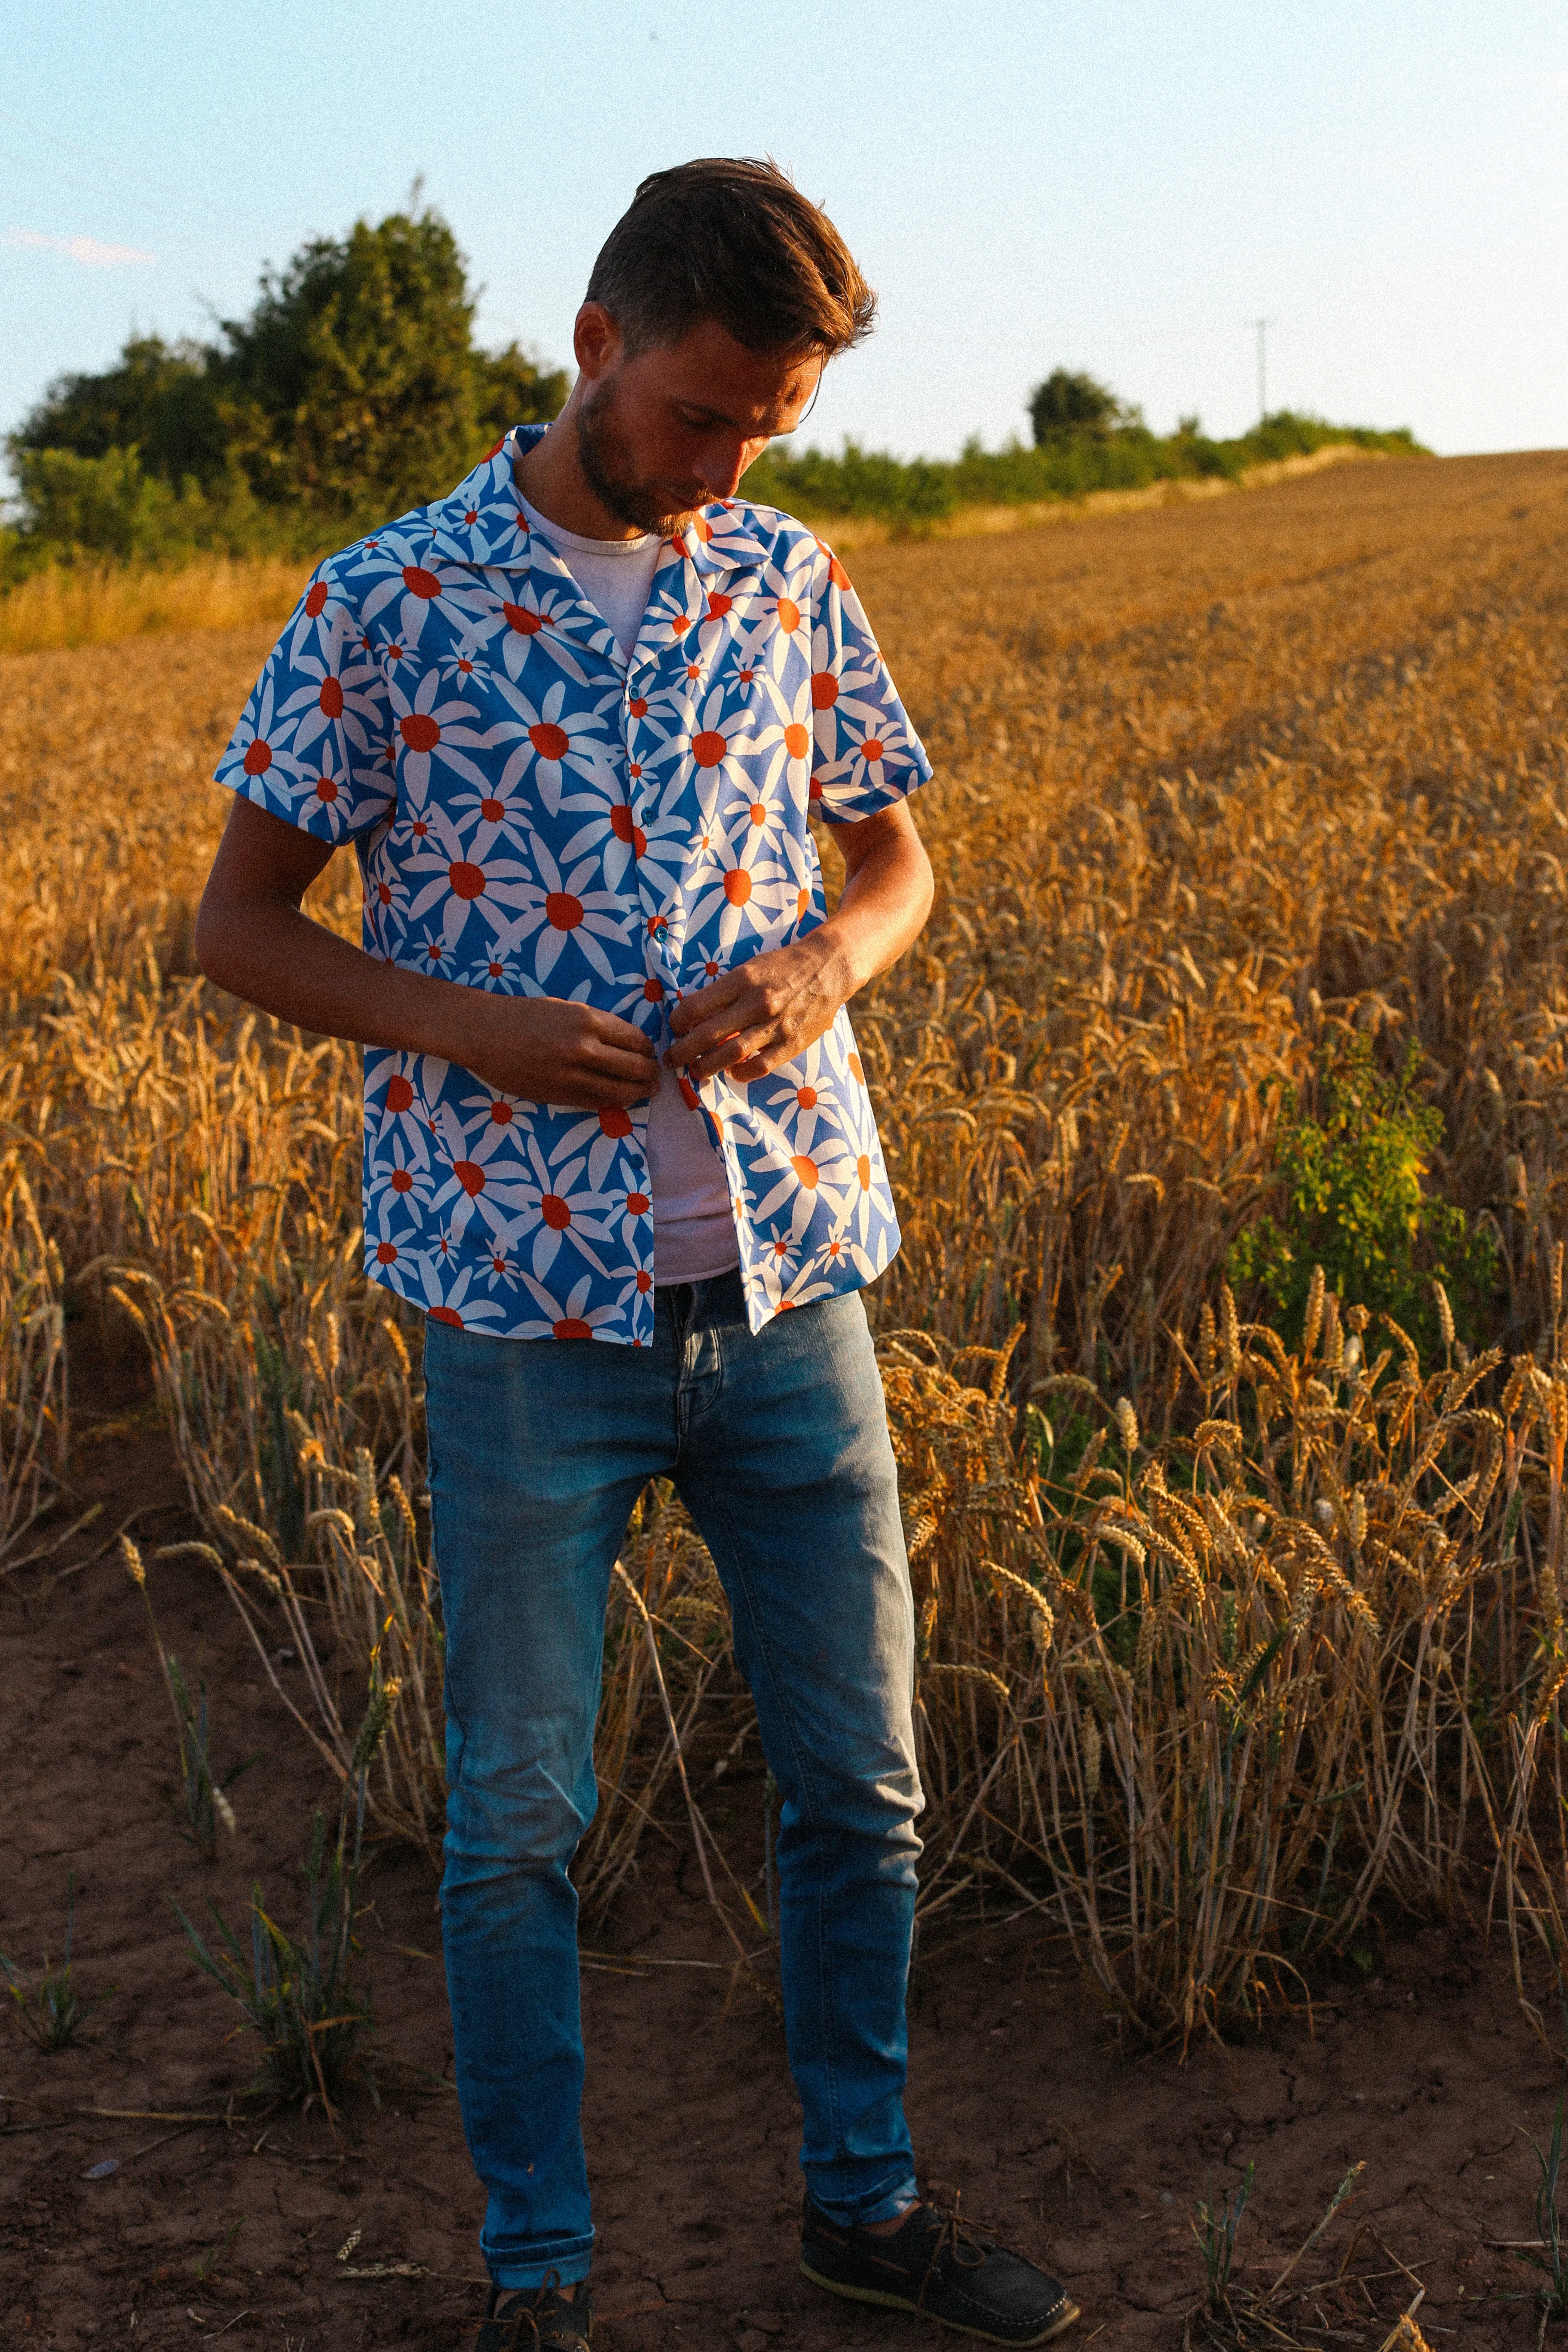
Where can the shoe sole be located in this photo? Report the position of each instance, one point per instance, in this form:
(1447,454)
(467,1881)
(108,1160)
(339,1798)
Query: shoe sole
(922,2311)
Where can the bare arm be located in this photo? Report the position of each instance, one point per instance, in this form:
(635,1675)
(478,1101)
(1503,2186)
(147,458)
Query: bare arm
(769,1010)
(254,939)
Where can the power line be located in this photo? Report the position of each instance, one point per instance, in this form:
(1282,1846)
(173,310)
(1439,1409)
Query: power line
(1261,327)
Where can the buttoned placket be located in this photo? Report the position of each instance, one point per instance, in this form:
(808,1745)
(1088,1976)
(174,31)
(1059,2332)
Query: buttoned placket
(640,669)
(640,675)
(648,657)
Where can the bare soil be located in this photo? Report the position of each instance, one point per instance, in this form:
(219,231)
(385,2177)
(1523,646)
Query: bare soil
(221,2222)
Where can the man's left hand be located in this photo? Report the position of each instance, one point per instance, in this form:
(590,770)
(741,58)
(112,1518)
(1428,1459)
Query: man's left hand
(763,1013)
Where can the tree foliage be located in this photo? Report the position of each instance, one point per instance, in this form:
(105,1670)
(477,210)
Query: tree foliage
(917,495)
(159,398)
(1068,406)
(352,391)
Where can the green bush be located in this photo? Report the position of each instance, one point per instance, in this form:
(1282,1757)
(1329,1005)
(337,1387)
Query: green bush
(1350,1177)
(856,483)
(1118,454)
(77,507)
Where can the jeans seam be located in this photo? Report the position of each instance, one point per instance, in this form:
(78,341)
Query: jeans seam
(786,1715)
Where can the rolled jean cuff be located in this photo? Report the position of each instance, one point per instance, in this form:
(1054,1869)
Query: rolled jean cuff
(861,2212)
(511,2276)
(568,2267)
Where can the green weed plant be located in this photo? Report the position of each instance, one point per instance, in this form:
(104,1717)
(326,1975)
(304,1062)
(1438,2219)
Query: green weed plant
(201,1801)
(1215,2228)
(1550,2298)
(1351,1176)
(49,2008)
(306,1999)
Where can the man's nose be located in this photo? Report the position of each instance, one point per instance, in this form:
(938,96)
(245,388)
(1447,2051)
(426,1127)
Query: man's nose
(723,467)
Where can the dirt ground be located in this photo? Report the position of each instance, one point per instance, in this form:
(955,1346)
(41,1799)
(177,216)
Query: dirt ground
(221,2222)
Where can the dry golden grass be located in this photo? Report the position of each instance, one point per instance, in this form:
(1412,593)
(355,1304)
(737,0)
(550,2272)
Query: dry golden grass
(1251,1642)
(1211,779)
(33,1427)
(97,604)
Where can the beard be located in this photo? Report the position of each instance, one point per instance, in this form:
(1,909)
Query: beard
(607,468)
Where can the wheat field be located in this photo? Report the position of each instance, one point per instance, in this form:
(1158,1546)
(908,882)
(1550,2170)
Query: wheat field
(1226,1646)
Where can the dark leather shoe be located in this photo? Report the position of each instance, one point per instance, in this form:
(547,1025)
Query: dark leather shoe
(936,2264)
(542,2320)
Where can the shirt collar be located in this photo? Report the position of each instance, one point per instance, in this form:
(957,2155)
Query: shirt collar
(722,538)
(482,521)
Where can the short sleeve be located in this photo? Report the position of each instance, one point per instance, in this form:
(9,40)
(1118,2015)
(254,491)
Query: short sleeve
(313,744)
(866,754)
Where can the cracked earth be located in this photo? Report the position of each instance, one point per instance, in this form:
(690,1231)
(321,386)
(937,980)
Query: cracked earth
(1087,2153)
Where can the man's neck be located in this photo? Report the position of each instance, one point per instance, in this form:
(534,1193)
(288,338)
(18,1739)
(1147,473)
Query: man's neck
(549,475)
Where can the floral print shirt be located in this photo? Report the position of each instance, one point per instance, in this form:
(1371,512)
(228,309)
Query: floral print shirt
(534,813)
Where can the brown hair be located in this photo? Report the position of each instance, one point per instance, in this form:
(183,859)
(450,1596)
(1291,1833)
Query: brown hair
(733,239)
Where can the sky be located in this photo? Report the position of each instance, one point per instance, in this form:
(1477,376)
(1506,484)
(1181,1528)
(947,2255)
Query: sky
(1119,186)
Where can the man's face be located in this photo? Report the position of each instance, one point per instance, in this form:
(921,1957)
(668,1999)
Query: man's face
(675,427)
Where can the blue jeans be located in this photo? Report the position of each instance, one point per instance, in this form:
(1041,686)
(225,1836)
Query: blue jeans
(778,1444)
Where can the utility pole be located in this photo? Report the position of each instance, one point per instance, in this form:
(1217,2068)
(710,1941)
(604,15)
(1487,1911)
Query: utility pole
(1261,327)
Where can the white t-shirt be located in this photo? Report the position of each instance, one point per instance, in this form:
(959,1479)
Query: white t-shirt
(693,1225)
(617,572)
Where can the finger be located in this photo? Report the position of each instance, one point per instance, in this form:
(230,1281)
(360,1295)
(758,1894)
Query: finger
(608,1064)
(747,1045)
(591,1097)
(590,1089)
(706,1001)
(611,1030)
(717,1031)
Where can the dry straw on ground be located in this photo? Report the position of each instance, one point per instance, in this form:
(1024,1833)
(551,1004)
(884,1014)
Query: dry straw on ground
(1244,1644)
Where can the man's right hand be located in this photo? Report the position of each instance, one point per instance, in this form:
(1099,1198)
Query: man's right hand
(548,1050)
(254,939)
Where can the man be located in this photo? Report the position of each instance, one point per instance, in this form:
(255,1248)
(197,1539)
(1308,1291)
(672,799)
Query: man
(574,718)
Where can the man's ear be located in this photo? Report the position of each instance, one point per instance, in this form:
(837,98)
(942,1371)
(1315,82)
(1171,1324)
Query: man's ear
(595,341)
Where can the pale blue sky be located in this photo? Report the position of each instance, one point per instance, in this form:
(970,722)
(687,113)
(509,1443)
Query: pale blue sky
(1116,184)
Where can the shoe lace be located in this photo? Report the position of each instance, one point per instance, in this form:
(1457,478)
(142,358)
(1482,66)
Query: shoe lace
(957,2239)
(524,2313)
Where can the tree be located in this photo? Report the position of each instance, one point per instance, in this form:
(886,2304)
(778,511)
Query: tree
(351,385)
(352,391)
(1068,407)
(160,399)
(512,389)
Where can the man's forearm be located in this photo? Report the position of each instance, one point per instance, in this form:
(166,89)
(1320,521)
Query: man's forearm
(880,912)
(254,938)
(273,955)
